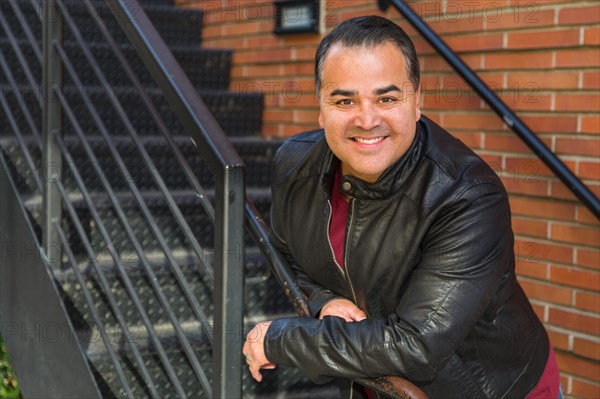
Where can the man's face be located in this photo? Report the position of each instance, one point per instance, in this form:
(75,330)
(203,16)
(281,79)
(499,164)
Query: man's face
(369,108)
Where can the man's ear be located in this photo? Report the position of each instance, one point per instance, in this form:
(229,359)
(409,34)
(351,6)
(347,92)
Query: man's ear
(321,122)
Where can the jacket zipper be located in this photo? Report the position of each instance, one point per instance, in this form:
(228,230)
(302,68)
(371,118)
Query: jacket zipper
(344,270)
(348,231)
(340,268)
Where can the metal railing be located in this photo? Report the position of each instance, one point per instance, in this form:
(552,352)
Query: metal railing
(226,274)
(571,181)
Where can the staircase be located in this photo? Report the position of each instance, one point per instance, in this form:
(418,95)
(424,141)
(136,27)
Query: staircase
(137,290)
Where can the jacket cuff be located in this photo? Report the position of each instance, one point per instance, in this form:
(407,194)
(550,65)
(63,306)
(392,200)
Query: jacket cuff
(319,299)
(276,339)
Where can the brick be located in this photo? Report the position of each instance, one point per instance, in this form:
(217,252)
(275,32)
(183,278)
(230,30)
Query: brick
(572,146)
(547,292)
(577,58)
(304,54)
(533,6)
(422,46)
(591,36)
(551,123)
(534,251)
(470,23)
(528,227)
(558,339)
(535,187)
(590,124)
(520,18)
(301,40)
(506,142)
(584,215)
(299,69)
(578,102)
(536,40)
(539,311)
(587,301)
(560,191)
(591,80)
(345,15)
(290,130)
(236,44)
(585,389)
(586,348)
(473,121)
(528,99)
(538,270)
(579,15)
(306,116)
(528,169)
(435,63)
(588,257)
(576,234)
(576,321)
(270,130)
(543,208)
(304,100)
(262,71)
(543,80)
(212,32)
(278,115)
(472,140)
(520,60)
(573,277)
(589,170)
(479,42)
(262,56)
(240,29)
(262,42)
(451,100)
(577,366)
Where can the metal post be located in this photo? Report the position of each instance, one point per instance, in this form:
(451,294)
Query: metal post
(52,122)
(229,283)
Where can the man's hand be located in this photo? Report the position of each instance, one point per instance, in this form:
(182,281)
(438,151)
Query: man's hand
(342,308)
(255,352)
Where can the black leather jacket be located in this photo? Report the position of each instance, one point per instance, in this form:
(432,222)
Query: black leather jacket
(429,257)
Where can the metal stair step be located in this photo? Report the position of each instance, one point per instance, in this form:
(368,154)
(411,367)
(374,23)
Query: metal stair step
(256,152)
(177,26)
(239,114)
(208,69)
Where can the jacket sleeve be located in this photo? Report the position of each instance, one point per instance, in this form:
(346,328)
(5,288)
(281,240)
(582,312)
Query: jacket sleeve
(465,256)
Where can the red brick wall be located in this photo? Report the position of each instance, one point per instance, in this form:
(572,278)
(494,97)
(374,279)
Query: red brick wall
(543,58)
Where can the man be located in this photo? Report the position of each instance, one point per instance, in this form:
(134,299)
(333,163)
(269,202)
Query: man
(400,236)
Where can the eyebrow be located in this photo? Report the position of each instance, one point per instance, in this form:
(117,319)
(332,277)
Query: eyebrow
(386,89)
(350,93)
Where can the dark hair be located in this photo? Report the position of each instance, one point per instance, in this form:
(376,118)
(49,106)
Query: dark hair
(369,31)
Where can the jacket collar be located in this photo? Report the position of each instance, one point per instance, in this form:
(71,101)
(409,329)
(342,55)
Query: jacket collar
(390,182)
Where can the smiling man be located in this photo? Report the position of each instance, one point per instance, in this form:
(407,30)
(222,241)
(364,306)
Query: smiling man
(400,236)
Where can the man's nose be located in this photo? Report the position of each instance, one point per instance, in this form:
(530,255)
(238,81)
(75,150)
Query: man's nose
(367,117)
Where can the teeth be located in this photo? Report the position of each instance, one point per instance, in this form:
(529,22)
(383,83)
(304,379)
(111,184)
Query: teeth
(368,141)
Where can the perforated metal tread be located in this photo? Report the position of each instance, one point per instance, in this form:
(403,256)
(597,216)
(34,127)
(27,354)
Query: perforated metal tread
(207,69)
(177,26)
(239,114)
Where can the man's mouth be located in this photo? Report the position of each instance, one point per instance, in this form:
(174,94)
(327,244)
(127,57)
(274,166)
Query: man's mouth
(373,140)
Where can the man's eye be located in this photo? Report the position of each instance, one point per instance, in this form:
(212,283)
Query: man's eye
(387,99)
(345,101)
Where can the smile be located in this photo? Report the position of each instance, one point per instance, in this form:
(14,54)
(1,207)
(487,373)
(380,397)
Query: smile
(373,140)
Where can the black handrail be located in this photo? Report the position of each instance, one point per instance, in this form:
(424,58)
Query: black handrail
(573,183)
